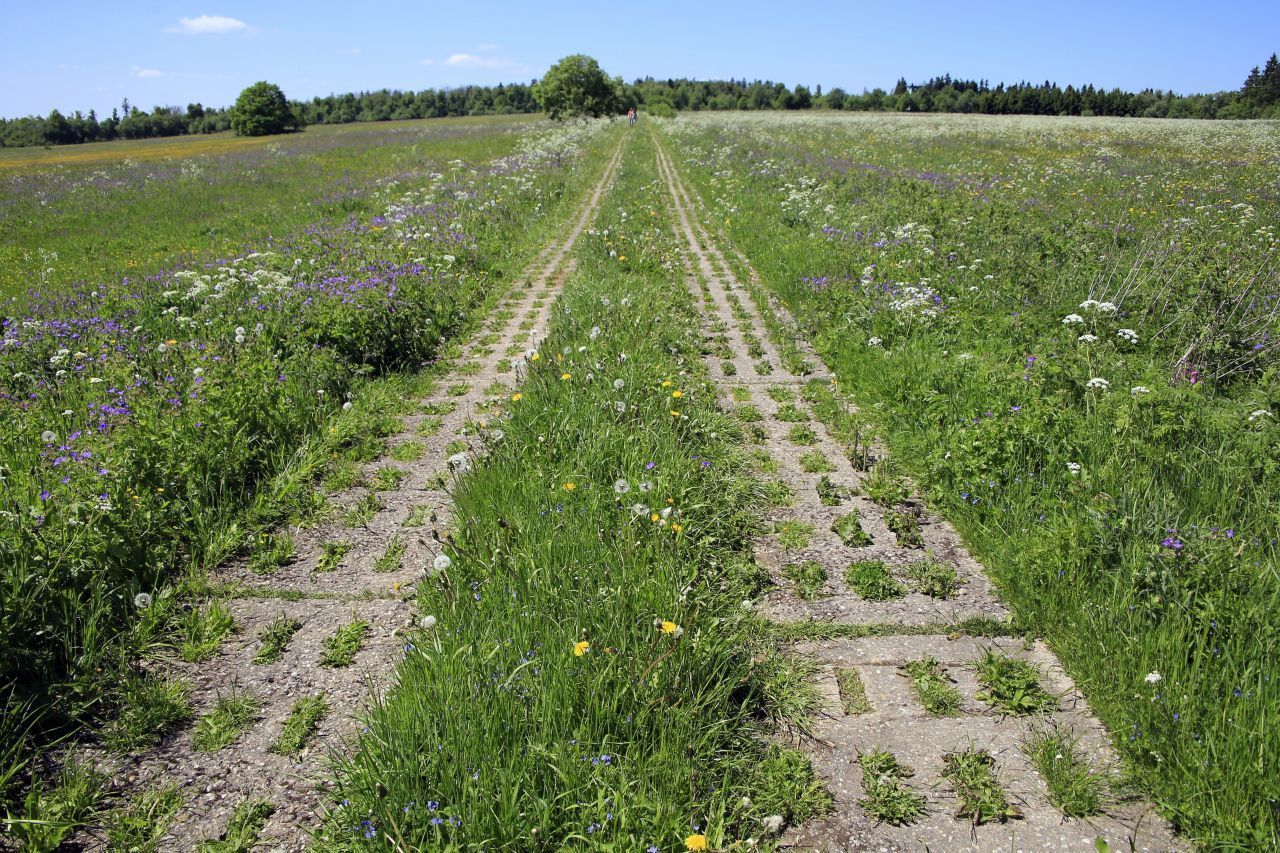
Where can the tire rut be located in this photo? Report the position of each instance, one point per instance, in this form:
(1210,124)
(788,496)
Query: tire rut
(357,588)
(909,625)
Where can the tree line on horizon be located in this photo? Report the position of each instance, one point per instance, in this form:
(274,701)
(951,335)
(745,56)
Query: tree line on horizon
(1259,97)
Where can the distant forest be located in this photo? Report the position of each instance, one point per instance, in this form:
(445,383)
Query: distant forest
(1259,97)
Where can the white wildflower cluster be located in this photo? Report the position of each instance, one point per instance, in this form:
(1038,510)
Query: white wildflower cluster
(1087,338)
(1097,383)
(1258,414)
(1072,319)
(915,300)
(913,232)
(1127,335)
(1139,390)
(1100,307)
(1073,468)
(802,198)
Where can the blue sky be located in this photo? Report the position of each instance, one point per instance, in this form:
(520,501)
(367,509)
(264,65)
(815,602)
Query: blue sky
(80,55)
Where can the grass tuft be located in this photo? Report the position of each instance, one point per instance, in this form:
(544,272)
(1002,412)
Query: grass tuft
(933,687)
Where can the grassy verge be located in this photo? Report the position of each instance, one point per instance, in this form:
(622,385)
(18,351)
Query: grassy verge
(592,607)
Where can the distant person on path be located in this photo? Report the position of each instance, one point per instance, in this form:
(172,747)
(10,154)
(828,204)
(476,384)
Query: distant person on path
(631,116)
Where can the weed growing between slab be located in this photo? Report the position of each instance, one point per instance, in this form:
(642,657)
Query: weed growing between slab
(933,687)
(889,798)
(1074,787)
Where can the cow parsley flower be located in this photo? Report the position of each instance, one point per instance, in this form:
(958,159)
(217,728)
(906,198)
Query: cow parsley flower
(1071,319)
(1139,390)
(1097,383)
(1259,413)
(1073,468)
(1153,677)
(1087,338)
(1128,335)
(874,342)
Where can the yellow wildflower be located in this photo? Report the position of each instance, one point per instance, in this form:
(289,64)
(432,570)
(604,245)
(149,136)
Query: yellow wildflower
(674,413)
(676,527)
(622,257)
(655,517)
(668,627)
(666,383)
(580,648)
(569,487)
(516,398)
(566,376)
(535,357)
(676,395)
(697,841)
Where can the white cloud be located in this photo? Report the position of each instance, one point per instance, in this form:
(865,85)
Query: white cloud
(470,60)
(206,25)
(484,48)
(145,73)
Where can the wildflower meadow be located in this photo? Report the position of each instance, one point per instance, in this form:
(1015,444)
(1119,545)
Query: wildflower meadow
(733,481)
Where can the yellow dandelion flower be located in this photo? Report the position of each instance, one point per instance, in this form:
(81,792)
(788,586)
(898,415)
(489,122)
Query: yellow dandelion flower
(516,398)
(171,342)
(676,395)
(580,648)
(674,413)
(569,487)
(566,376)
(535,357)
(677,527)
(655,517)
(666,383)
(668,627)
(622,257)
(697,841)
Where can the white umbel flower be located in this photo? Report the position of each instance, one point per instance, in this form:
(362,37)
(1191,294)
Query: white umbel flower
(1097,383)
